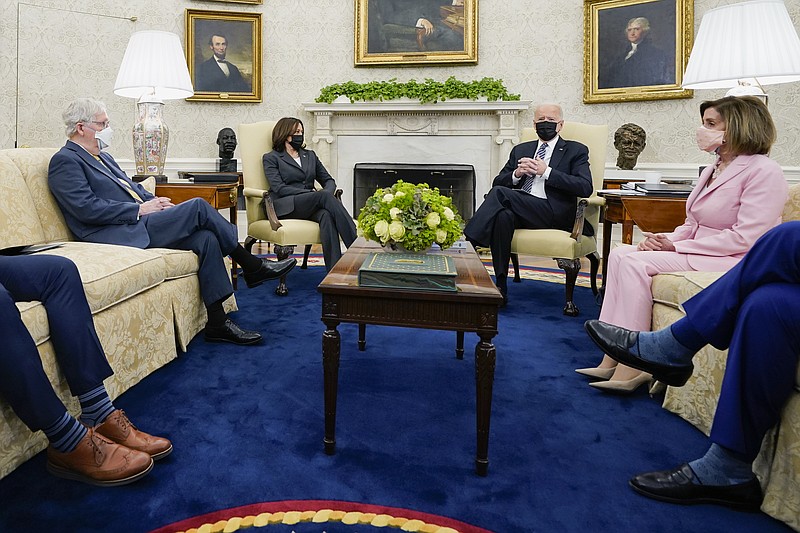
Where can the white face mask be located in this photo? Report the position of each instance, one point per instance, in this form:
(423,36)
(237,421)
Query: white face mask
(104,137)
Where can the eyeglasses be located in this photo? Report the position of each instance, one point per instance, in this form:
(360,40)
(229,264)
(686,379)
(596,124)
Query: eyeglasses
(104,124)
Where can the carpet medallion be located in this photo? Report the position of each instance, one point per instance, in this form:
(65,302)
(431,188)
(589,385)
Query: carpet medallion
(305,516)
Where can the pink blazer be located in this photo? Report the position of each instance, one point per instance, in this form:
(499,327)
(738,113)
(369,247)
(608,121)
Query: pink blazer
(724,219)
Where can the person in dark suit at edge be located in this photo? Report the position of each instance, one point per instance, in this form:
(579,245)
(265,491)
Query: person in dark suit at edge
(101,204)
(101,448)
(217,74)
(291,171)
(538,188)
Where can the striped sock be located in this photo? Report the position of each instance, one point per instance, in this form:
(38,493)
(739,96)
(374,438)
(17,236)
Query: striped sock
(95,406)
(65,433)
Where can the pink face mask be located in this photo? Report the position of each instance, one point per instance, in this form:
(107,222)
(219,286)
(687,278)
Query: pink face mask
(709,140)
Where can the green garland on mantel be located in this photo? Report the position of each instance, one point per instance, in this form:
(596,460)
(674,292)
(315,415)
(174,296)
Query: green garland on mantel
(427,92)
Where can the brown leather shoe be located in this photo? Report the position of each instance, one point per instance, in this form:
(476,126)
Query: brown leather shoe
(119,429)
(99,461)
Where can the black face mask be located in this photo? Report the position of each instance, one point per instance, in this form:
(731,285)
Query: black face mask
(546,130)
(297,141)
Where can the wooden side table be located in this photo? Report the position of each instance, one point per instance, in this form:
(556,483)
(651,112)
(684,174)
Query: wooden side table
(655,214)
(219,195)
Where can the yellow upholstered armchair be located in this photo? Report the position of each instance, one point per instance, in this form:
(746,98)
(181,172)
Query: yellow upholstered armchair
(262,224)
(567,248)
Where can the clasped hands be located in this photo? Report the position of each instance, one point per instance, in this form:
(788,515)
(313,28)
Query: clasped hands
(655,242)
(159,203)
(528,166)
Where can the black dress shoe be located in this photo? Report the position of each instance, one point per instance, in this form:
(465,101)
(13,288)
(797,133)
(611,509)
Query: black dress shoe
(269,270)
(620,343)
(676,486)
(230,332)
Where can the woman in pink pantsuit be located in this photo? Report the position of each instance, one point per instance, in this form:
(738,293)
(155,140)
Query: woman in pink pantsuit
(735,201)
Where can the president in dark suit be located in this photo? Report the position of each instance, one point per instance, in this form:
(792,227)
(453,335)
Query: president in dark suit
(217,74)
(101,204)
(292,171)
(538,188)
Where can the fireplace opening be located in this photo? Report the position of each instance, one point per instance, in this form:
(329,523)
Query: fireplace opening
(455,181)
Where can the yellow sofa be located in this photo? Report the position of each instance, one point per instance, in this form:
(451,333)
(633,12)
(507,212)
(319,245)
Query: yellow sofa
(778,464)
(145,303)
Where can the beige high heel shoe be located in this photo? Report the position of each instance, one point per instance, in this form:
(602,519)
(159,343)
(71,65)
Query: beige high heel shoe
(623,387)
(596,372)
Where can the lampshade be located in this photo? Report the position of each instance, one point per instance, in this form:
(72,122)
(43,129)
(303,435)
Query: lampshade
(154,64)
(753,42)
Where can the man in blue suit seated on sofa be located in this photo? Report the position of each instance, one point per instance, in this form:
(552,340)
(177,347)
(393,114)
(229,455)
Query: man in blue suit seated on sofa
(103,448)
(753,311)
(101,204)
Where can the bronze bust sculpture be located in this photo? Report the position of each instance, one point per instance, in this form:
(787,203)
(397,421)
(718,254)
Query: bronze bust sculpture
(629,140)
(226,140)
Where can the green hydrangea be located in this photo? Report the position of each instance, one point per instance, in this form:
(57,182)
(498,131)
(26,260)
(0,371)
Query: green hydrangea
(415,216)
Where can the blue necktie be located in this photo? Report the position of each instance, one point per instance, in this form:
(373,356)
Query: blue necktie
(527,185)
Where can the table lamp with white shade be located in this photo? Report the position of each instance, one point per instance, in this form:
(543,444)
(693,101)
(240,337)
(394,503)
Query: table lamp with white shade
(152,70)
(743,47)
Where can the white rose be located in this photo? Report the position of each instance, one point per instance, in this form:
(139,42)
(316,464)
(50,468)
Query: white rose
(381,228)
(433,219)
(388,198)
(400,194)
(395,212)
(396,230)
(441,235)
(448,213)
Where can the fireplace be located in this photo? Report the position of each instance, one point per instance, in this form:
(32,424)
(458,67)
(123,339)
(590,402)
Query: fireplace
(455,181)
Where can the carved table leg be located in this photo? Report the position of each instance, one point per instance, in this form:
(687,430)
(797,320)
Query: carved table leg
(331,349)
(362,337)
(282,252)
(459,345)
(485,358)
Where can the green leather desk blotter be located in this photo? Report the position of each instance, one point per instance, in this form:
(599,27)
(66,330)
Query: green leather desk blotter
(424,272)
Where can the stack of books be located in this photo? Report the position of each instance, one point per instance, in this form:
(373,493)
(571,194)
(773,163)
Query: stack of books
(665,189)
(432,272)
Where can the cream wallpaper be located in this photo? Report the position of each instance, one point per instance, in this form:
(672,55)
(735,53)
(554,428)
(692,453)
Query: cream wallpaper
(71,48)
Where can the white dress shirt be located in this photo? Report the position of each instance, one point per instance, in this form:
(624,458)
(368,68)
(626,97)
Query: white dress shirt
(538,181)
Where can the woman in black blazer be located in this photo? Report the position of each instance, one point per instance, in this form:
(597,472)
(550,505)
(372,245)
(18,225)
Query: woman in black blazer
(291,171)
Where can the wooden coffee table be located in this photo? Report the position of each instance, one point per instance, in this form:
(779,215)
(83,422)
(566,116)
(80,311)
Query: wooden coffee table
(473,307)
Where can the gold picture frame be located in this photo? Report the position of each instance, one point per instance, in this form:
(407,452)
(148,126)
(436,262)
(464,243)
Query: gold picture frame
(413,32)
(611,73)
(241,33)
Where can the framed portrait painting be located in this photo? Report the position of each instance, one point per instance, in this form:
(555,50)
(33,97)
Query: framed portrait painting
(223,50)
(636,49)
(416,32)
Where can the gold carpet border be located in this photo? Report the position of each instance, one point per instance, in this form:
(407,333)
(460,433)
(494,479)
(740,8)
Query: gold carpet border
(322,516)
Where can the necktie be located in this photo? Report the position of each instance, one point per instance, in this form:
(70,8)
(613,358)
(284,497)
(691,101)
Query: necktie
(125,185)
(527,185)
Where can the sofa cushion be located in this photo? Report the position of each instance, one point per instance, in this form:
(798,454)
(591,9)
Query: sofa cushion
(18,216)
(674,288)
(33,164)
(177,263)
(111,273)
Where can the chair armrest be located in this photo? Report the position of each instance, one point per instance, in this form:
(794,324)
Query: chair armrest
(269,206)
(595,200)
(338,194)
(577,227)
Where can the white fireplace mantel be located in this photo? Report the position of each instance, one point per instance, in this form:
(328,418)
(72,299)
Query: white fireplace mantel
(403,131)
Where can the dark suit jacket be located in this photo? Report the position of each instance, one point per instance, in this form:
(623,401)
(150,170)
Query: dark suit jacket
(648,66)
(96,206)
(570,178)
(286,179)
(210,77)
